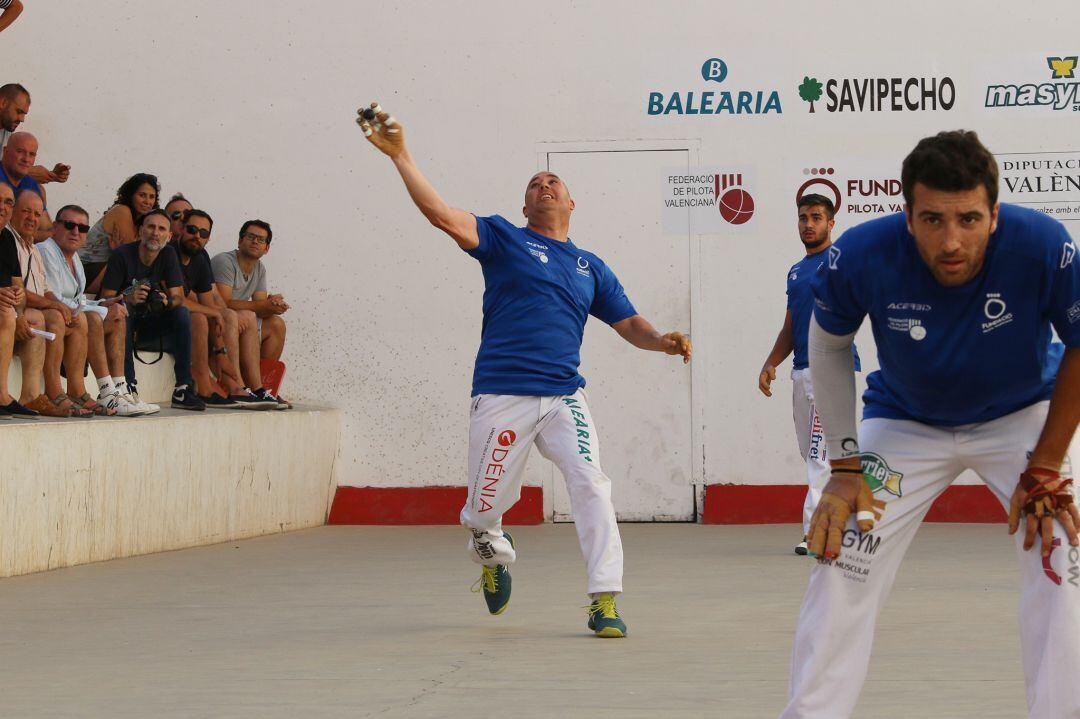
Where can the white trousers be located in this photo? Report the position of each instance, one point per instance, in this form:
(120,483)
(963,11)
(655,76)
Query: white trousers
(911,464)
(811,440)
(502,430)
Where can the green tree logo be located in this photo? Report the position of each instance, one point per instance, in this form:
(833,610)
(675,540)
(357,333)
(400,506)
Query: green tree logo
(810,90)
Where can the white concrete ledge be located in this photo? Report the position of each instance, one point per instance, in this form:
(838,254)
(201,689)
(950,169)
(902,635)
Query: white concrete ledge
(74,491)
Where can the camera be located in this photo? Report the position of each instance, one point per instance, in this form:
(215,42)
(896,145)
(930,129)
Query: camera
(154,303)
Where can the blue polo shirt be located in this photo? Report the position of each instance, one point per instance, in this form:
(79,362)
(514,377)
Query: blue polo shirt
(538,293)
(27,183)
(956,355)
(800,302)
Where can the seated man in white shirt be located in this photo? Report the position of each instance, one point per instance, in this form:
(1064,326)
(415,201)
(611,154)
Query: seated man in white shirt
(65,325)
(104,318)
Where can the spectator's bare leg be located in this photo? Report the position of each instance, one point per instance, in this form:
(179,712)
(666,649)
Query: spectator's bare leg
(54,352)
(75,348)
(200,351)
(7,348)
(273,337)
(115,333)
(247,325)
(228,365)
(32,356)
(95,345)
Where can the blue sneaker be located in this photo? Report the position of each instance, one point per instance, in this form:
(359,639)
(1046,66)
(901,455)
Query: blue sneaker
(604,618)
(494,582)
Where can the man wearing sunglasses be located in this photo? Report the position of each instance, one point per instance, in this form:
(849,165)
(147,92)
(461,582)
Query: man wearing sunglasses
(175,209)
(216,330)
(105,319)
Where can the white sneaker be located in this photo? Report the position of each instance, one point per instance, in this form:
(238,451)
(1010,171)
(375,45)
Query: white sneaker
(117,401)
(147,407)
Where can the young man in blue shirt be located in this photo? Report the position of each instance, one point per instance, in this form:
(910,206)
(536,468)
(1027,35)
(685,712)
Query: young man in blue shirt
(962,293)
(539,289)
(816,222)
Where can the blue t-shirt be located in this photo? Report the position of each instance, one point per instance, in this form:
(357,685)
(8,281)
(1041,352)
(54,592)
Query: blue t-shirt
(27,183)
(800,302)
(538,292)
(956,355)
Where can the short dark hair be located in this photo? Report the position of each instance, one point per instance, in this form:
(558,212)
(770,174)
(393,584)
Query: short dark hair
(951,161)
(71,208)
(188,214)
(12,90)
(177,197)
(151,213)
(127,190)
(813,200)
(259,224)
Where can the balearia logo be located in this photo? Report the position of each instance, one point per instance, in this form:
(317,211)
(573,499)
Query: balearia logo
(854,194)
(582,428)
(1059,92)
(880,94)
(733,101)
(879,475)
(735,203)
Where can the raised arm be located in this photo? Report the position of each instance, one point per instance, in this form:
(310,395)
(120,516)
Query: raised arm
(385,133)
(784,345)
(639,332)
(10,13)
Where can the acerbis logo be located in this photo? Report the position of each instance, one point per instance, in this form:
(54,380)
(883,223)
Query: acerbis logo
(1068,252)
(834,259)
(880,94)
(714,102)
(1054,95)
(507,438)
(735,204)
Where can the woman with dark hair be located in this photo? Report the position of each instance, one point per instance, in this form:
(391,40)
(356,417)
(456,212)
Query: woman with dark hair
(137,196)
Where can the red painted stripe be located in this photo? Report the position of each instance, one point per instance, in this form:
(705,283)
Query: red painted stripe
(775,504)
(422,505)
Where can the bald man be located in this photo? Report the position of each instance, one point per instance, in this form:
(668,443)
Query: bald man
(16,162)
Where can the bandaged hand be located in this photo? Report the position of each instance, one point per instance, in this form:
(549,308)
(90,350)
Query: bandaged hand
(843,494)
(1041,496)
(381,130)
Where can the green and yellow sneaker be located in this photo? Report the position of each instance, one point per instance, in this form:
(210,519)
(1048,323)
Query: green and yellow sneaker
(604,618)
(494,582)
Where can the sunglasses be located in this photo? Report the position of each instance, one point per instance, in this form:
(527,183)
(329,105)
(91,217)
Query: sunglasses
(201,232)
(69,225)
(177,215)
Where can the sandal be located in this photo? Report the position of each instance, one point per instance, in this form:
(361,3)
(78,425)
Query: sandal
(65,404)
(94,407)
(47,408)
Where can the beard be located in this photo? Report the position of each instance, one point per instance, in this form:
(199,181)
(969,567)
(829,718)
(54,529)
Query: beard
(816,241)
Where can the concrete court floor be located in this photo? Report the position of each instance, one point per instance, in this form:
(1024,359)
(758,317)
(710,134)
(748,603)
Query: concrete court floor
(379,622)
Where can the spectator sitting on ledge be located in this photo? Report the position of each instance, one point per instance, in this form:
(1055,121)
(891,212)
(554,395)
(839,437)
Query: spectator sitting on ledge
(137,196)
(148,275)
(241,279)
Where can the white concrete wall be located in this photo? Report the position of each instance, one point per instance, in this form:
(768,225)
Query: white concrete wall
(247,107)
(78,491)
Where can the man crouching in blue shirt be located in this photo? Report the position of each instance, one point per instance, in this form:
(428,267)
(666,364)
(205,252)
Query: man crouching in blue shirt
(539,289)
(962,293)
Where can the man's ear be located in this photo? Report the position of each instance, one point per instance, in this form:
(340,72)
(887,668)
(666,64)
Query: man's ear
(994,217)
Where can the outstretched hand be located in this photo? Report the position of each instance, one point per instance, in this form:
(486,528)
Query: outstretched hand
(676,343)
(1040,496)
(381,130)
(843,493)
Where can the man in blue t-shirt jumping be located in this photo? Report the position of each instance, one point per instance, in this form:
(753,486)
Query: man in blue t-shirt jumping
(816,213)
(962,293)
(539,289)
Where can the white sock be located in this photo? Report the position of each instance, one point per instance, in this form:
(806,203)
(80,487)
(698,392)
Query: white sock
(105,385)
(121,386)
